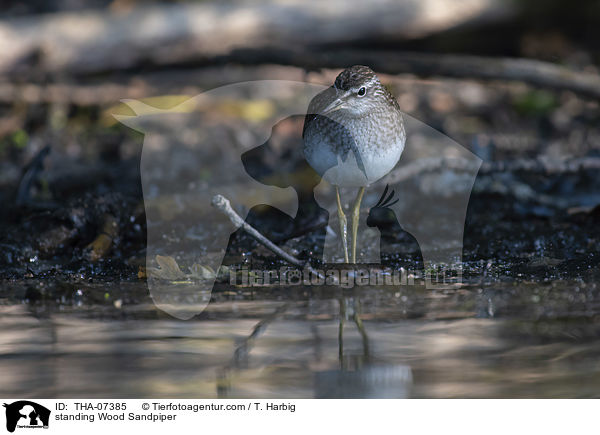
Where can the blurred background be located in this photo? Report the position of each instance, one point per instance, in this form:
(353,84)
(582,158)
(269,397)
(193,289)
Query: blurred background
(515,82)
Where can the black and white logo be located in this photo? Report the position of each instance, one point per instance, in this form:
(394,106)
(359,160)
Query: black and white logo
(25,414)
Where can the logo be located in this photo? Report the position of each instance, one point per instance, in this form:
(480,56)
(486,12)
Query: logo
(236,154)
(25,414)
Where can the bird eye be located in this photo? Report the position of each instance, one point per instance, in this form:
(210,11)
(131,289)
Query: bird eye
(362,92)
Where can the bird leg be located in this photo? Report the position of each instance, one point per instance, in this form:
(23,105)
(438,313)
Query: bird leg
(355,218)
(343,224)
(342,302)
(361,328)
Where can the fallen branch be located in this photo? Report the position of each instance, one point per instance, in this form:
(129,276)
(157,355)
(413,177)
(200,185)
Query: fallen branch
(539,165)
(543,165)
(534,72)
(430,164)
(224,205)
(93,91)
(170,80)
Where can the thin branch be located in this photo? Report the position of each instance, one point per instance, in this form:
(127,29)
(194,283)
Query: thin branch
(224,205)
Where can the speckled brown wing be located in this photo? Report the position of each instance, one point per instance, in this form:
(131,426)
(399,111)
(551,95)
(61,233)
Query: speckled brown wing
(339,138)
(317,104)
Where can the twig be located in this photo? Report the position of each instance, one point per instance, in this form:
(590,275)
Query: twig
(224,205)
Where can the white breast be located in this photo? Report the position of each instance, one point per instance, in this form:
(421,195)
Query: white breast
(377,152)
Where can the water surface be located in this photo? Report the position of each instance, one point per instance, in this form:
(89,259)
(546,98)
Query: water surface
(108,340)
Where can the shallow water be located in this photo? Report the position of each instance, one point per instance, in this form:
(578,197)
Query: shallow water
(500,340)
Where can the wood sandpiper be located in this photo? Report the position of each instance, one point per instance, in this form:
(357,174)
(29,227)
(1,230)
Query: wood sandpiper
(353,136)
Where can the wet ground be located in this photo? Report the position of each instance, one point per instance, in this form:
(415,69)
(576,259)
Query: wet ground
(526,323)
(77,319)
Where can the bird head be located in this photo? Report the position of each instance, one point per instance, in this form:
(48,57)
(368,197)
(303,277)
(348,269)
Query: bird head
(357,92)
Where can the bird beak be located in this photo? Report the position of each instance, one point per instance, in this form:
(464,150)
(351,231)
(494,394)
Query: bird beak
(336,104)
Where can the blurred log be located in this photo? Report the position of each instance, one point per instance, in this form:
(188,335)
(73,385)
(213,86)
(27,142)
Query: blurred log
(488,181)
(96,41)
(533,72)
(67,93)
(538,165)
(192,81)
(93,91)
(543,165)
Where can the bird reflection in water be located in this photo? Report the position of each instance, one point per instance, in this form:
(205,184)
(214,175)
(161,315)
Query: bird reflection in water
(359,374)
